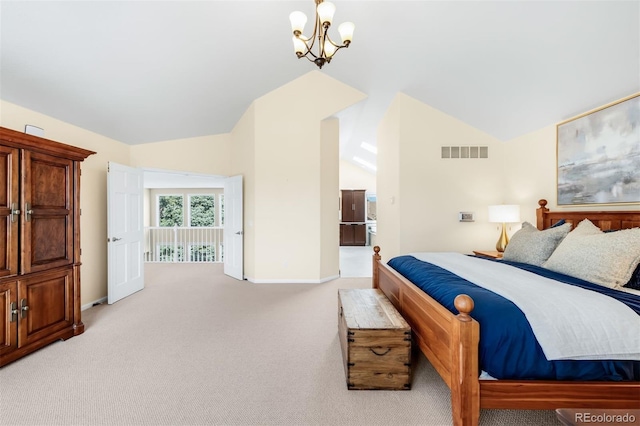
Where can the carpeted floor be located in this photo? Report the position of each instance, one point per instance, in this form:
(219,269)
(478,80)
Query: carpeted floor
(198,348)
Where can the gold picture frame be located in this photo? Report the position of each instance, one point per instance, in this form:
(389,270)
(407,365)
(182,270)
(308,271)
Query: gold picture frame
(598,155)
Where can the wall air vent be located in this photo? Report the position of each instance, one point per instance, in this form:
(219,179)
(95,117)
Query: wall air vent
(465,152)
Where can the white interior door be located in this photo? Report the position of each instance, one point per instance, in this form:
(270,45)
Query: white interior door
(125,231)
(233,227)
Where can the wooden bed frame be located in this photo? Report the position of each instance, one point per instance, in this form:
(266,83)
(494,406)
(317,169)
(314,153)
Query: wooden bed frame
(450,342)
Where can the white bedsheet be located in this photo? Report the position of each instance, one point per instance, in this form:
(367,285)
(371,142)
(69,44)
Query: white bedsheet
(568,321)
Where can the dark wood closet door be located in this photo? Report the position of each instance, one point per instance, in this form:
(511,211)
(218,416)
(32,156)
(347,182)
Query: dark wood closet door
(353,235)
(47,219)
(8,321)
(9,204)
(359,206)
(347,206)
(353,205)
(346,235)
(359,235)
(49,298)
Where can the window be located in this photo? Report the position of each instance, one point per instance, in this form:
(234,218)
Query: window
(189,227)
(202,210)
(170,211)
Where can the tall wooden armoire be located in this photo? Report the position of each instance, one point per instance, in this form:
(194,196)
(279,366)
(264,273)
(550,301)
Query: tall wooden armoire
(39,243)
(353,228)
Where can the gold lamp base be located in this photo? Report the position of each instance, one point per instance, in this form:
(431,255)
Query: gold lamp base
(503,240)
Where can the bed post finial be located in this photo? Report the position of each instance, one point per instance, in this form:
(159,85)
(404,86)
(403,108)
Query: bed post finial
(464,305)
(376,259)
(540,222)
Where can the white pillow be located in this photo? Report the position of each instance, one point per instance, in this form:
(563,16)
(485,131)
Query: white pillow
(605,258)
(532,246)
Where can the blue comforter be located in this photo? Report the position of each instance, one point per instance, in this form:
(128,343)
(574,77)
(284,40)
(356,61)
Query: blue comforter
(508,348)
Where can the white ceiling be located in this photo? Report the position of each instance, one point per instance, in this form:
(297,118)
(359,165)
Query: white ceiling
(144,71)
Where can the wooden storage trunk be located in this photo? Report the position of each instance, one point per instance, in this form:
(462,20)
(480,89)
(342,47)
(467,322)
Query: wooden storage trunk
(375,341)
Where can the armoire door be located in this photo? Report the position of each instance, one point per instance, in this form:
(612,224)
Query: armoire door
(48,299)
(9,210)
(353,205)
(8,317)
(346,235)
(359,235)
(348,207)
(47,216)
(359,205)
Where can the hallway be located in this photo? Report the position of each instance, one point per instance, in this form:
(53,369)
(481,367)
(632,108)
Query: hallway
(356,261)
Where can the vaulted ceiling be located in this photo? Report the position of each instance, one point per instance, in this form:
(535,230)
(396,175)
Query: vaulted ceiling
(144,71)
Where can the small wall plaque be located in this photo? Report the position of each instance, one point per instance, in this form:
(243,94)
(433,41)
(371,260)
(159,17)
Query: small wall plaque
(466,217)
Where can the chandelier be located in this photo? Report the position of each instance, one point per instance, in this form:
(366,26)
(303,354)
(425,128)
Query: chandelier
(325,48)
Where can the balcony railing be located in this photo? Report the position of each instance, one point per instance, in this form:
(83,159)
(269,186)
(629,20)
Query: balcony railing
(183,244)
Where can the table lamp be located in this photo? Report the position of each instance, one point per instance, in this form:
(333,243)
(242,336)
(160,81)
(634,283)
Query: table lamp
(504,213)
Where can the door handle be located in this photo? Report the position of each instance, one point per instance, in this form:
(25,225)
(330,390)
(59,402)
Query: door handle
(27,212)
(239,233)
(114,239)
(15,211)
(13,312)
(24,307)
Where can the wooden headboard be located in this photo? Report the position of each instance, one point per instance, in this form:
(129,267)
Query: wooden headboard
(605,220)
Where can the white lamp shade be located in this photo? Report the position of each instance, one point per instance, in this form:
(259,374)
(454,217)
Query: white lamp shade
(299,46)
(298,21)
(325,12)
(329,49)
(346,31)
(504,213)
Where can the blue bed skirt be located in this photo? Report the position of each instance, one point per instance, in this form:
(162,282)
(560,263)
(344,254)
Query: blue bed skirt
(508,348)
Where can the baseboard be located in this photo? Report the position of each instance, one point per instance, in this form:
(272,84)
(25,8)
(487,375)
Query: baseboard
(290,281)
(92,304)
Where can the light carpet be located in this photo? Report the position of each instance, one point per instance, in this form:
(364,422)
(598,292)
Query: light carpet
(198,348)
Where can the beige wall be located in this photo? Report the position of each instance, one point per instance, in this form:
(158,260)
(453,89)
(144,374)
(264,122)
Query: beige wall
(355,177)
(93,195)
(418,207)
(213,155)
(291,177)
(146,207)
(388,181)
(243,163)
(530,171)
(329,232)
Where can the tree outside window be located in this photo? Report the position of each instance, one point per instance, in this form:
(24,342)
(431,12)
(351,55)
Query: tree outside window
(170,210)
(202,210)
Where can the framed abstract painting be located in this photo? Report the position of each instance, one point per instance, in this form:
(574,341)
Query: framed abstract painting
(598,155)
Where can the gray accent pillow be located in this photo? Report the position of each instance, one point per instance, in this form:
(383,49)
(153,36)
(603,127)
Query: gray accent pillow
(605,258)
(532,246)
